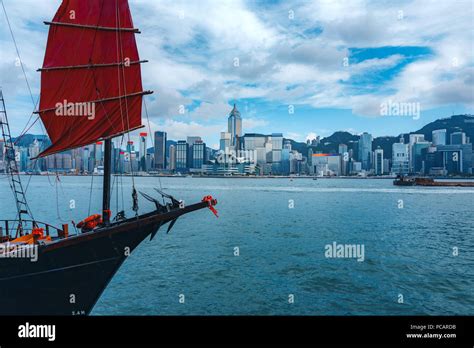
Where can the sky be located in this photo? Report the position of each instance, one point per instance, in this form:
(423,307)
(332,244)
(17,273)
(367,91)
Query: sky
(301,68)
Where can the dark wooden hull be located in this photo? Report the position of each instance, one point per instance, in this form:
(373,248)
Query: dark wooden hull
(71,274)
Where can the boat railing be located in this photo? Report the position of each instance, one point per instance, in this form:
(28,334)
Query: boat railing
(11,229)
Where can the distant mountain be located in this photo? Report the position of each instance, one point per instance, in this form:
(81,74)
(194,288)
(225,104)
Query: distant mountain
(456,123)
(327,145)
(452,124)
(28,139)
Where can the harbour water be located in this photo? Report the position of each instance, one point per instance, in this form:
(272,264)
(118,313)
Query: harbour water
(266,253)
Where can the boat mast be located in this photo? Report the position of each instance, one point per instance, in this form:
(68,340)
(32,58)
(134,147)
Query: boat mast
(106,186)
(11,167)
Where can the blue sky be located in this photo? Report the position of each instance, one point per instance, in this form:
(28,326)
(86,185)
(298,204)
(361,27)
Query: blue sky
(333,62)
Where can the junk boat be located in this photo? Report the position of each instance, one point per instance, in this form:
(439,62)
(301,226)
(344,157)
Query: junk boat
(91,59)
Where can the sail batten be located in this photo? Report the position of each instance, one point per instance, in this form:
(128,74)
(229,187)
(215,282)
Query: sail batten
(134,30)
(90,66)
(91,86)
(103,100)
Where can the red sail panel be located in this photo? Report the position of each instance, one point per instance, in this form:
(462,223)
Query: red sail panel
(91,85)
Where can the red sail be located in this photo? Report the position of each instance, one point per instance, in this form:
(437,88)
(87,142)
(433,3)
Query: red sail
(91,85)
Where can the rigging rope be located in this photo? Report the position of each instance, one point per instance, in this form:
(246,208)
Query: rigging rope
(120,59)
(18,54)
(92,182)
(152,143)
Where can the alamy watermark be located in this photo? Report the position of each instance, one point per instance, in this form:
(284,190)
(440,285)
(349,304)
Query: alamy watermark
(394,108)
(345,251)
(85,109)
(9,250)
(230,156)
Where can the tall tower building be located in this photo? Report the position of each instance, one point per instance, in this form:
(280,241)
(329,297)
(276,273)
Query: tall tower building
(172,164)
(182,156)
(235,126)
(160,150)
(378,161)
(142,153)
(365,150)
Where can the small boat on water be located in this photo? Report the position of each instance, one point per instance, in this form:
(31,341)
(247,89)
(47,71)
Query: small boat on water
(417,181)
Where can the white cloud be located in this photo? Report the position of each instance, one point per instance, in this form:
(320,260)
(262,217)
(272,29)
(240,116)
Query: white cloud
(253,123)
(191,47)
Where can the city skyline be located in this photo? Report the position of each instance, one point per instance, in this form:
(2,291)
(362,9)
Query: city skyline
(447,149)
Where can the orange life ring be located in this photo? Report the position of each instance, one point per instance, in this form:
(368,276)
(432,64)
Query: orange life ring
(90,222)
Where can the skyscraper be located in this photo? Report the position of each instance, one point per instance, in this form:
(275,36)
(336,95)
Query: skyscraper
(277,147)
(225,141)
(98,154)
(414,139)
(191,140)
(342,150)
(378,161)
(234,126)
(182,149)
(199,154)
(458,138)
(439,137)
(365,150)
(160,150)
(400,159)
(172,164)
(142,153)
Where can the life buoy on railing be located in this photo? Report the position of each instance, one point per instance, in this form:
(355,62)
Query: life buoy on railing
(90,222)
(38,232)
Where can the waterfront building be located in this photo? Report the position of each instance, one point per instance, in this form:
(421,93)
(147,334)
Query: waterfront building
(85,159)
(225,142)
(417,156)
(182,151)
(365,150)
(414,139)
(456,159)
(160,150)
(142,152)
(172,163)
(199,154)
(276,149)
(378,161)
(386,166)
(234,126)
(439,137)
(98,153)
(191,140)
(344,155)
(297,162)
(400,158)
(285,160)
(355,167)
(458,138)
(323,164)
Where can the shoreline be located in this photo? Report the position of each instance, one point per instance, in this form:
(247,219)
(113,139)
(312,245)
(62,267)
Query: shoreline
(307,177)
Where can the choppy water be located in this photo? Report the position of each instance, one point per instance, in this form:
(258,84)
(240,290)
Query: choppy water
(408,251)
